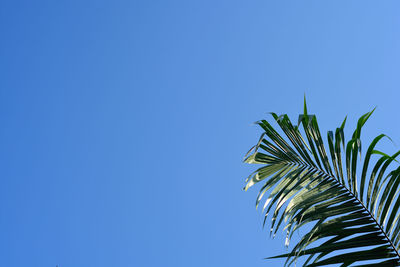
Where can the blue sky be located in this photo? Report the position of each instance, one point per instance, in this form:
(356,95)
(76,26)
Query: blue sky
(124,123)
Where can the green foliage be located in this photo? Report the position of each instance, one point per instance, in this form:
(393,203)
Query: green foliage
(305,183)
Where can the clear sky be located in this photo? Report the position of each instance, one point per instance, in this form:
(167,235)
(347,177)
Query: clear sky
(124,123)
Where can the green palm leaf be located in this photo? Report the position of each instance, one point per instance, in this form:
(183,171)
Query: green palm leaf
(305,183)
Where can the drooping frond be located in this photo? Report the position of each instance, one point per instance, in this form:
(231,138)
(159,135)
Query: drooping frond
(348,202)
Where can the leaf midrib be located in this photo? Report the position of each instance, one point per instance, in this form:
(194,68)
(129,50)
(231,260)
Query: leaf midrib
(362,204)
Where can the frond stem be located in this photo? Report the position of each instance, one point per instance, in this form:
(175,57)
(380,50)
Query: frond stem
(380,227)
(365,208)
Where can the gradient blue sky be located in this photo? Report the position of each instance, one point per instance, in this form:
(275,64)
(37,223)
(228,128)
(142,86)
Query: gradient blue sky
(124,123)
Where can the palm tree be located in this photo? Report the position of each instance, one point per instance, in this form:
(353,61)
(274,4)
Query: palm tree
(352,217)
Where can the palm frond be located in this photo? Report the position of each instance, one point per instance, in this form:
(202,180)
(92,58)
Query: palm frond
(347,201)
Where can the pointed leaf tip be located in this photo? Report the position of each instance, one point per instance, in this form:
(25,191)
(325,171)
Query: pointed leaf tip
(305,105)
(343,123)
